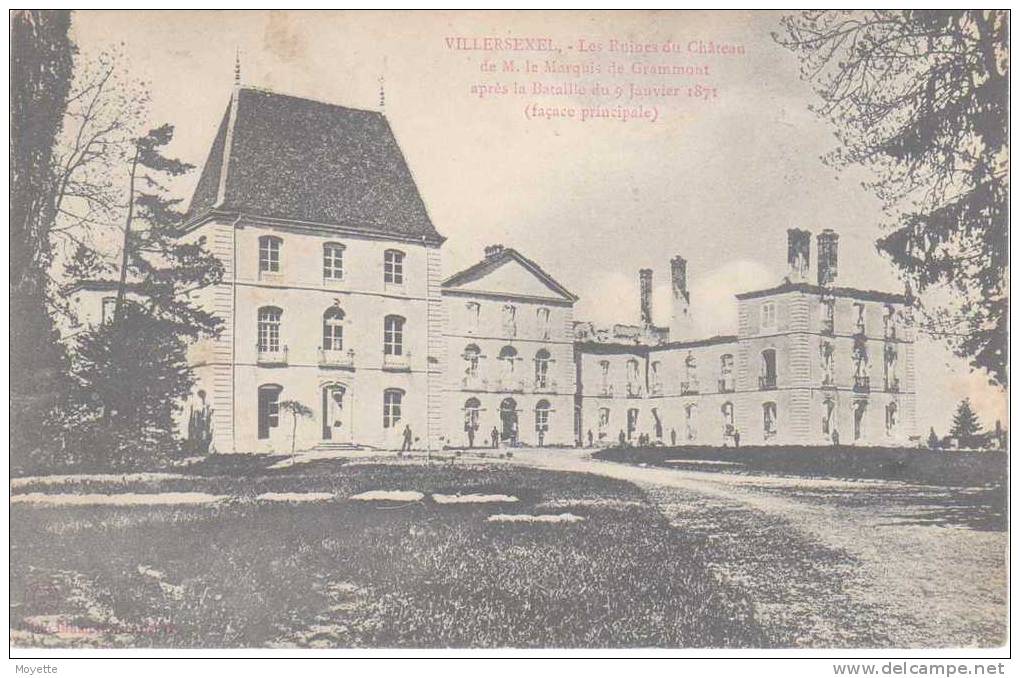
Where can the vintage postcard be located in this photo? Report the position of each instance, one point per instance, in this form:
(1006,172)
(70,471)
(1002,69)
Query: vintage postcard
(527,330)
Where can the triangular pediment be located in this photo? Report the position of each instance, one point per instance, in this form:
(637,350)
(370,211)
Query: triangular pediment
(508,274)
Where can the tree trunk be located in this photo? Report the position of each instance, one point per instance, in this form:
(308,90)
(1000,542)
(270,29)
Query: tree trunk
(122,283)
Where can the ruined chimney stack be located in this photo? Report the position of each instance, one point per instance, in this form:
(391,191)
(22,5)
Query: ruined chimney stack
(645,277)
(492,250)
(828,246)
(680,319)
(799,254)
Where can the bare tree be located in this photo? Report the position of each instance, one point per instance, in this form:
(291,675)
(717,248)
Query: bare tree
(921,98)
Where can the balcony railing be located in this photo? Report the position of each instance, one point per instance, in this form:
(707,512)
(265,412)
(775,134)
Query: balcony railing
(767,382)
(268,356)
(606,390)
(393,361)
(892,385)
(727,386)
(828,381)
(689,387)
(656,388)
(634,390)
(332,358)
(828,327)
(862,383)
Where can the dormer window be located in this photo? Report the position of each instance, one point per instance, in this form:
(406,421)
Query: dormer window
(393,267)
(269,254)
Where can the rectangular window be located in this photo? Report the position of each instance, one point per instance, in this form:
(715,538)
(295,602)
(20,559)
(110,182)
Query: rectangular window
(542,315)
(392,401)
(333,262)
(474,310)
(393,267)
(859,316)
(109,309)
(509,320)
(768,315)
(269,254)
(269,329)
(393,335)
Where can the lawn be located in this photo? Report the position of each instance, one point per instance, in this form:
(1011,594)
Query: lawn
(246,572)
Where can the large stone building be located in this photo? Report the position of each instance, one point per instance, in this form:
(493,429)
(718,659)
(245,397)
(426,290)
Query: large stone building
(811,363)
(332,296)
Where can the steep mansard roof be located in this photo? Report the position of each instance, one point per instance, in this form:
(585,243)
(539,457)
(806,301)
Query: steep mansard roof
(283,157)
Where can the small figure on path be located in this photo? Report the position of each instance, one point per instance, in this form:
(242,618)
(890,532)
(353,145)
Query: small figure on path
(406,445)
(495,437)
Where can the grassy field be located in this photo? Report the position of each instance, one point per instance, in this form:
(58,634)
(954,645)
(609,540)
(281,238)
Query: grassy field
(343,573)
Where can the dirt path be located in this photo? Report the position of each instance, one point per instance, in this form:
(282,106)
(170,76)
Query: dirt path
(828,571)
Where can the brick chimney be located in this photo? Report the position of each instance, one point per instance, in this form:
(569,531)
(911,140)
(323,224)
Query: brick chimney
(492,250)
(645,278)
(798,254)
(828,245)
(680,317)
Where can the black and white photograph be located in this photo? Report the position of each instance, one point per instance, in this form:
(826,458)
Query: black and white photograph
(502,332)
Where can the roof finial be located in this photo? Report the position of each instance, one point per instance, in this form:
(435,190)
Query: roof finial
(382,93)
(237,67)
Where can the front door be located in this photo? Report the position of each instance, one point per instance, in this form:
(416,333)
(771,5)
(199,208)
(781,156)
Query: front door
(334,410)
(508,420)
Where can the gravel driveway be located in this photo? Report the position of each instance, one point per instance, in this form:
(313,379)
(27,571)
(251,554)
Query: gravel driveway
(835,563)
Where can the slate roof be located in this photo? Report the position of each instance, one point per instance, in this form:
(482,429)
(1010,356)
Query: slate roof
(284,157)
(491,263)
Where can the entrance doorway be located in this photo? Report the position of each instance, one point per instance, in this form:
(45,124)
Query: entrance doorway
(508,420)
(335,402)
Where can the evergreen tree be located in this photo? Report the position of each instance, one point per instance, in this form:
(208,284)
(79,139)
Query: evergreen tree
(966,426)
(133,371)
(921,98)
(40,75)
(933,440)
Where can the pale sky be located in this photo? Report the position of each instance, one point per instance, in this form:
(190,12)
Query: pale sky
(717,182)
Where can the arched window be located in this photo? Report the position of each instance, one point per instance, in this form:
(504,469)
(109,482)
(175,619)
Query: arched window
(729,425)
(333,329)
(768,376)
(269,329)
(393,335)
(828,410)
(472,407)
(333,261)
(860,409)
(726,382)
(542,416)
(508,361)
(269,254)
(472,356)
(769,423)
(268,408)
(891,417)
(393,401)
(393,267)
(542,360)
(691,421)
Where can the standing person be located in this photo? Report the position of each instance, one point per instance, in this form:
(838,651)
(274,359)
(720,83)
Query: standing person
(591,439)
(835,438)
(471,435)
(495,437)
(623,438)
(672,437)
(406,445)
(736,437)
